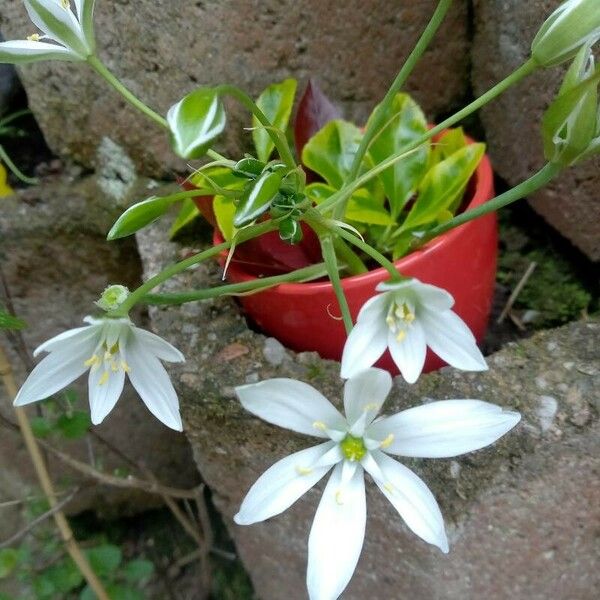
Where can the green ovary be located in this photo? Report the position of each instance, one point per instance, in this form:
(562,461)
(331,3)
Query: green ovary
(353,448)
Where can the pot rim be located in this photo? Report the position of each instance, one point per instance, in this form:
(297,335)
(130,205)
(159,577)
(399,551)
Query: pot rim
(483,177)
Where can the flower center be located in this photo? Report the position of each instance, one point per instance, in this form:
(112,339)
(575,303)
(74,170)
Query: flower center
(109,361)
(353,448)
(399,318)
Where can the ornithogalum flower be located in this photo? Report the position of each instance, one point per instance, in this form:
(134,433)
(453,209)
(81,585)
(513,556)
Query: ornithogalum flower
(356,443)
(108,349)
(407,317)
(65,34)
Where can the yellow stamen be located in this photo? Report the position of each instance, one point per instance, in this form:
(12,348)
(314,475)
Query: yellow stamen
(320,425)
(66,4)
(34,37)
(338,497)
(104,378)
(388,487)
(304,470)
(107,355)
(114,366)
(387,442)
(125,366)
(401,335)
(93,360)
(371,406)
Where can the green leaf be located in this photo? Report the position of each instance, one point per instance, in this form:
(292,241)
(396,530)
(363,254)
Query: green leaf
(8,321)
(222,177)
(224,209)
(405,123)
(331,150)
(138,570)
(450,142)
(276,103)
(187,213)
(256,198)
(442,185)
(64,576)
(195,122)
(123,592)
(9,558)
(138,216)
(41,427)
(105,559)
(74,426)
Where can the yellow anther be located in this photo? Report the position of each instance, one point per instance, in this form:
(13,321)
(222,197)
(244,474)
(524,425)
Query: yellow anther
(388,487)
(304,470)
(114,366)
(107,355)
(93,360)
(387,442)
(338,497)
(66,4)
(320,425)
(125,366)
(104,378)
(391,322)
(371,406)
(34,37)
(401,335)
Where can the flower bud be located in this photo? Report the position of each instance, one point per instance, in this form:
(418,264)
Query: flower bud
(112,297)
(571,122)
(573,24)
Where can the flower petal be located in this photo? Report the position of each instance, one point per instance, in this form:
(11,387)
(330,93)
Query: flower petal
(409,354)
(365,344)
(152,383)
(366,392)
(104,396)
(336,537)
(291,404)
(450,338)
(423,294)
(411,497)
(283,483)
(24,51)
(445,428)
(69,339)
(55,371)
(157,346)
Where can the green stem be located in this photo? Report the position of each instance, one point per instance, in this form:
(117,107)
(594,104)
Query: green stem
(334,276)
(525,69)
(103,71)
(278,137)
(405,71)
(234,289)
(354,263)
(172,270)
(526,188)
(15,170)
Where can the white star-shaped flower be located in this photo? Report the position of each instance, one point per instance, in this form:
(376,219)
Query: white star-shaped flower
(407,317)
(109,349)
(65,34)
(356,443)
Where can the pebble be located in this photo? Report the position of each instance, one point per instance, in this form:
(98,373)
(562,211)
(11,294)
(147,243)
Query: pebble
(546,411)
(274,352)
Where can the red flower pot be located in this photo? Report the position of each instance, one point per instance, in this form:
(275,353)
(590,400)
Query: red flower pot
(462,261)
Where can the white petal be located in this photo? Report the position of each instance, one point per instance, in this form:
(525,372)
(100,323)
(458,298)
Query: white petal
(445,428)
(422,293)
(365,344)
(411,497)
(54,372)
(409,354)
(282,484)
(153,384)
(374,309)
(450,338)
(157,346)
(291,404)
(25,51)
(69,339)
(336,537)
(366,392)
(103,397)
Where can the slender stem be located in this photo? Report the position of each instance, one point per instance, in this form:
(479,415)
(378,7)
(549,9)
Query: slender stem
(354,263)
(234,289)
(331,263)
(15,170)
(172,270)
(103,71)
(62,524)
(525,69)
(278,137)
(405,71)
(527,187)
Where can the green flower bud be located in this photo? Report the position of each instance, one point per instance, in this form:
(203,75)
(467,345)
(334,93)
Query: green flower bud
(571,122)
(112,297)
(572,25)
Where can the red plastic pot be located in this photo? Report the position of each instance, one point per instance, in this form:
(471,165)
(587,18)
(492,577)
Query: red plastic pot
(462,261)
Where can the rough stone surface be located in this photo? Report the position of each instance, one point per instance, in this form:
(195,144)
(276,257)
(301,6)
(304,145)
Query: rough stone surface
(522,516)
(504,30)
(164,49)
(56,261)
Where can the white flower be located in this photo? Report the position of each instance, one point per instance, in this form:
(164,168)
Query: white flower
(69,35)
(108,348)
(354,444)
(406,318)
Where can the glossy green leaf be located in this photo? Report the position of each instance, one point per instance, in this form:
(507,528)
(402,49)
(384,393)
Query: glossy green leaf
(138,216)
(449,143)
(405,123)
(224,209)
(256,198)
(330,151)
(8,321)
(75,425)
(276,102)
(290,231)
(138,570)
(442,185)
(248,167)
(105,559)
(187,213)
(222,177)
(195,122)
